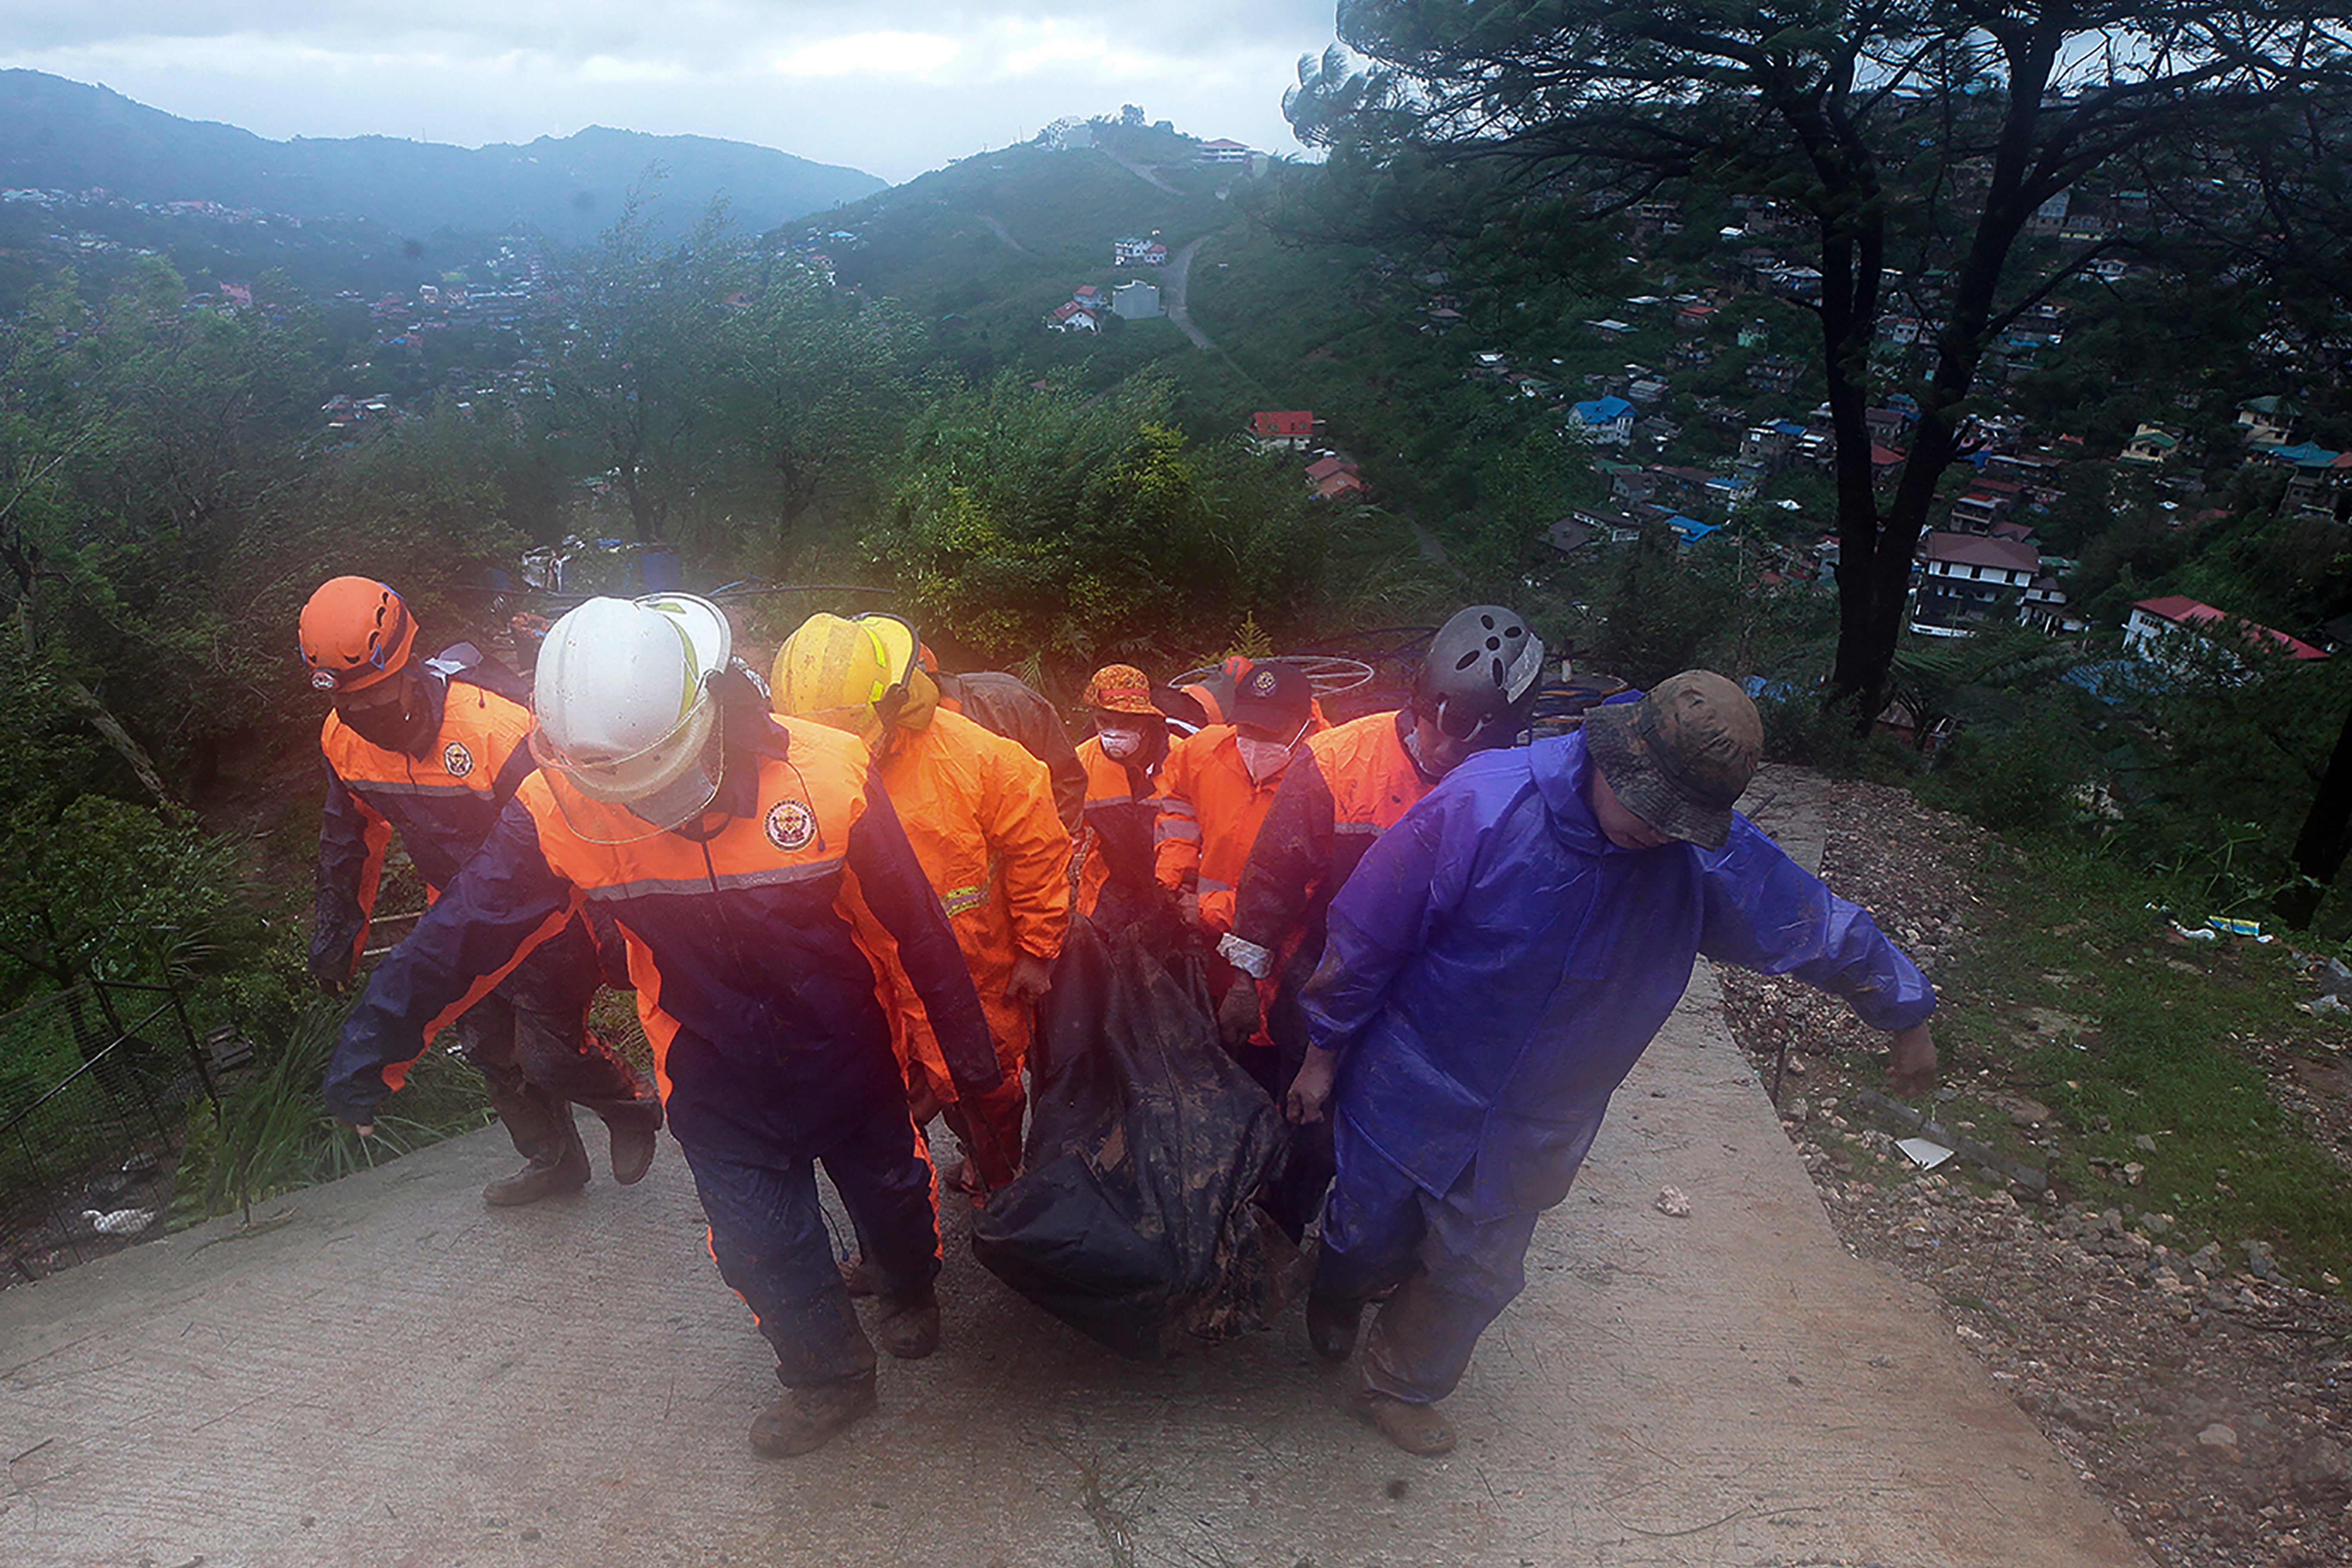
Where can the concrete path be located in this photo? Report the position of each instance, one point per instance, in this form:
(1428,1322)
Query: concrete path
(393,1374)
(1175,285)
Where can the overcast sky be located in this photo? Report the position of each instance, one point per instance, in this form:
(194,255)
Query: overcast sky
(892,88)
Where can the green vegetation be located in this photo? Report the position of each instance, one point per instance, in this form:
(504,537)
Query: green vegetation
(2080,997)
(271,1135)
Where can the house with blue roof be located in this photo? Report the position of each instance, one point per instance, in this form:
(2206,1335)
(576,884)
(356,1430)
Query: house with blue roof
(1605,420)
(1690,530)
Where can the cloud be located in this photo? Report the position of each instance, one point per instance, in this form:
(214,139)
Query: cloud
(921,55)
(938,82)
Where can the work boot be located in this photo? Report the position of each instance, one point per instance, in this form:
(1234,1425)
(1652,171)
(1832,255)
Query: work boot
(806,1418)
(1420,1429)
(910,1328)
(631,1125)
(1331,1325)
(632,1153)
(857,1277)
(564,1171)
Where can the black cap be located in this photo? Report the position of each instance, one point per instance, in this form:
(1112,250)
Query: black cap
(1273,696)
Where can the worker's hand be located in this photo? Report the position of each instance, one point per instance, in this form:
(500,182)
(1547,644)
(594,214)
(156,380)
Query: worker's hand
(1238,1016)
(329,975)
(1310,1091)
(365,1129)
(1911,1061)
(1187,907)
(1032,977)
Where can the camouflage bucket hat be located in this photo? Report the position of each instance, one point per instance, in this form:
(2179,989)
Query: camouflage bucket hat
(1680,757)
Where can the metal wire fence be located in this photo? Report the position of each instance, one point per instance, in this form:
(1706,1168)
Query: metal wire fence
(95,1085)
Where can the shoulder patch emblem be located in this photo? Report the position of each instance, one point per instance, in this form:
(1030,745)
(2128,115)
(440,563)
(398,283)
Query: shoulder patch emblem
(1261,683)
(456,759)
(790,825)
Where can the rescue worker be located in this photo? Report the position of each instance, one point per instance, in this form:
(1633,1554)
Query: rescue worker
(1495,966)
(1122,758)
(754,872)
(1215,790)
(436,747)
(1473,691)
(1010,706)
(979,811)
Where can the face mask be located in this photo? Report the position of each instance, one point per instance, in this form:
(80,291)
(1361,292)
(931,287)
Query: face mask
(1264,758)
(1119,744)
(392,726)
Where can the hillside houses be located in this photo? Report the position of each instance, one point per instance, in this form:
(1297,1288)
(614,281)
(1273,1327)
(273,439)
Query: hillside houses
(1130,251)
(1136,300)
(1082,312)
(2173,631)
(1336,478)
(1606,421)
(1967,582)
(1286,430)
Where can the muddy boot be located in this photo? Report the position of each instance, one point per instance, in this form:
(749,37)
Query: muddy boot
(910,1328)
(1331,1325)
(807,1419)
(564,1170)
(632,1131)
(1420,1429)
(629,1122)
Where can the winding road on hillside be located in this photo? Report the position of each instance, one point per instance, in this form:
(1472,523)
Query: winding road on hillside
(998,229)
(1144,173)
(1172,293)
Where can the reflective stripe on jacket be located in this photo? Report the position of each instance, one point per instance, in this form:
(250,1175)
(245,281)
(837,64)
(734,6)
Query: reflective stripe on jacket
(979,811)
(1209,809)
(1495,966)
(443,798)
(749,947)
(1353,785)
(1122,811)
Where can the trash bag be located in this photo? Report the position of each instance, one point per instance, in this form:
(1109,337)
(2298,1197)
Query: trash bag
(1131,1220)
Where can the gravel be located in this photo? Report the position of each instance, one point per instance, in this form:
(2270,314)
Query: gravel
(2202,1395)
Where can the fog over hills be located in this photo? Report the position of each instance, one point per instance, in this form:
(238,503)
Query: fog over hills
(57,134)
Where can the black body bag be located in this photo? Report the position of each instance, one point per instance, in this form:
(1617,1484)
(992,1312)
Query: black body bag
(1131,1220)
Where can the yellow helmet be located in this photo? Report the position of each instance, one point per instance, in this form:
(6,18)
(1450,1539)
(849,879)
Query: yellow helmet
(851,675)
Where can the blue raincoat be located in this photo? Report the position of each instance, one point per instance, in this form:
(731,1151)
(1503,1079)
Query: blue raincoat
(1495,966)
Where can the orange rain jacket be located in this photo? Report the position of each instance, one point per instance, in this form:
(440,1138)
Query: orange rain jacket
(1351,787)
(978,810)
(753,937)
(1122,815)
(443,798)
(1209,809)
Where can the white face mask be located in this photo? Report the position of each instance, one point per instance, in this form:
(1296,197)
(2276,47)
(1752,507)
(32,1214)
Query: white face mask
(1119,744)
(1264,758)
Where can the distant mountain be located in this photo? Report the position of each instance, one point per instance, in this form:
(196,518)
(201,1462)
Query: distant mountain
(57,134)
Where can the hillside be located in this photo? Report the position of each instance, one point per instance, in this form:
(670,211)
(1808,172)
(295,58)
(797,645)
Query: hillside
(62,135)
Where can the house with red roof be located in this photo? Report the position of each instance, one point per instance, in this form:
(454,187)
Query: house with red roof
(1289,430)
(2157,630)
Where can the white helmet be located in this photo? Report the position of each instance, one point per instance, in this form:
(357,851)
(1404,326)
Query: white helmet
(625,710)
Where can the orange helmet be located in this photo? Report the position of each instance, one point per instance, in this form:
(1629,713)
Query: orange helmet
(354,632)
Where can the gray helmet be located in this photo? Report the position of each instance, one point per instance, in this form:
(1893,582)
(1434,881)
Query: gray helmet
(1478,681)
